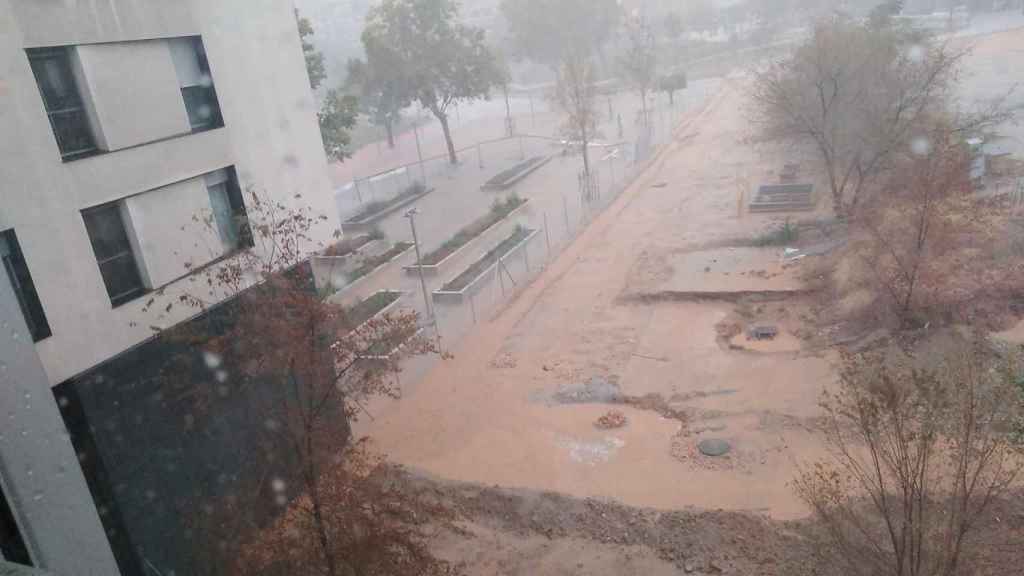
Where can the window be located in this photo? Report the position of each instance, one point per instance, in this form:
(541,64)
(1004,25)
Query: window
(63,101)
(114,254)
(196,83)
(229,209)
(24,289)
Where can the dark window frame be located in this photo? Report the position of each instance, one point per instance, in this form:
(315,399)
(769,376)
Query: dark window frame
(197,95)
(20,278)
(13,547)
(107,262)
(74,109)
(238,211)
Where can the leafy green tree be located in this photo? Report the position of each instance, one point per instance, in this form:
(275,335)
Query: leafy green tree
(337,117)
(441,60)
(672,83)
(379,89)
(314,59)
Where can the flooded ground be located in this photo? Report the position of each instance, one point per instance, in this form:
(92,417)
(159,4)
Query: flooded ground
(487,415)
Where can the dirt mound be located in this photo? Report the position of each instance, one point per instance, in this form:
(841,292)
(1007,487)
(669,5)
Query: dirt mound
(697,542)
(613,419)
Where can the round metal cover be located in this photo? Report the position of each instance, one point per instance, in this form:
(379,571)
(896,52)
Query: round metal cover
(714,447)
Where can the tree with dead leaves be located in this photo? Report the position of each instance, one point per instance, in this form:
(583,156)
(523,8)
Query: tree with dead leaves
(913,225)
(855,93)
(321,363)
(372,526)
(918,457)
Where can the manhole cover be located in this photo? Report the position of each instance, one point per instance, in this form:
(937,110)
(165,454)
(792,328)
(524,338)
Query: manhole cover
(714,447)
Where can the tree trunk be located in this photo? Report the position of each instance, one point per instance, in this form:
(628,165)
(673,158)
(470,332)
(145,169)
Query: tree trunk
(443,119)
(321,528)
(389,128)
(584,144)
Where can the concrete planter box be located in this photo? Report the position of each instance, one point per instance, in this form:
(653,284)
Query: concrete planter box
(458,297)
(387,308)
(376,269)
(366,223)
(515,178)
(432,270)
(388,355)
(337,271)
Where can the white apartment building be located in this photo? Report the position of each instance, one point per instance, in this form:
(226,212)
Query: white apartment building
(121,120)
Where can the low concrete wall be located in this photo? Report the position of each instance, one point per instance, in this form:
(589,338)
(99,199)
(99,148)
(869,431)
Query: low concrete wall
(453,297)
(432,270)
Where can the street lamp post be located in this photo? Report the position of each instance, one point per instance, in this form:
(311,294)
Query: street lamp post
(411,215)
(419,151)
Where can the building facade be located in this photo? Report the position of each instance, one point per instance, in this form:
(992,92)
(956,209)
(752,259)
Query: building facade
(132,132)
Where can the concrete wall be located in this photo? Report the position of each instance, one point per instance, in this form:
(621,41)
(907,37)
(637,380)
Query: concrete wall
(38,467)
(134,90)
(270,135)
(161,227)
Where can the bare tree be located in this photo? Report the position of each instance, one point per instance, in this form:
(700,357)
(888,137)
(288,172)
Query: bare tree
(640,62)
(856,94)
(918,458)
(577,96)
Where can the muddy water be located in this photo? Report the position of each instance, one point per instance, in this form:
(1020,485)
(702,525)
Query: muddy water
(479,417)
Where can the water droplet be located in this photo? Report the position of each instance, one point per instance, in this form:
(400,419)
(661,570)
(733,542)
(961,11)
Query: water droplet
(278,485)
(63,401)
(212,360)
(281,500)
(222,376)
(920,146)
(15,336)
(916,53)
(37,496)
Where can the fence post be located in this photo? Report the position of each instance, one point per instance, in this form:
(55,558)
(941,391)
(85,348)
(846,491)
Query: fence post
(501,281)
(547,234)
(355,181)
(480,156)
(565,212)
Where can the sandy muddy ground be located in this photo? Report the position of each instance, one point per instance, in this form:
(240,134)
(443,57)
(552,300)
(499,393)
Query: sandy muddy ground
(514,407)
(646,313)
